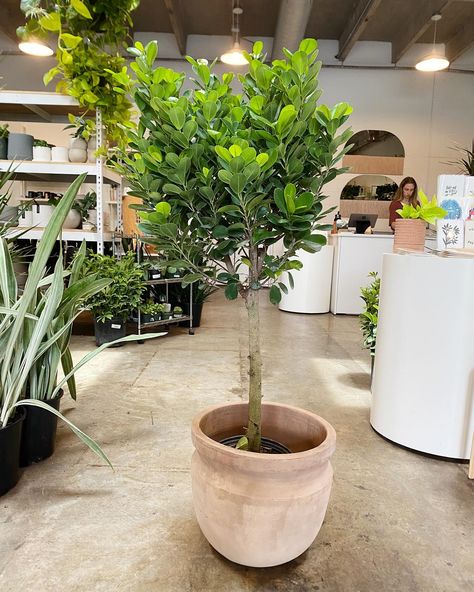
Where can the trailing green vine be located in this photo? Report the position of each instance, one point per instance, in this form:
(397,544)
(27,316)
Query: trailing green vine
(90,35)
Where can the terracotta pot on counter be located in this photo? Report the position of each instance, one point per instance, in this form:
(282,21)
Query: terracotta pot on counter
(409,234)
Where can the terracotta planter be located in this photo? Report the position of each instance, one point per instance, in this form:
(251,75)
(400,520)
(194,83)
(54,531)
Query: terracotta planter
(409,234)
(261,510)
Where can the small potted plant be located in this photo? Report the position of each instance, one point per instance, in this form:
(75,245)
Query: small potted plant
(87,207)
(41,150)
(151,312)
(166,311)
(177,312)
(112,306)
(410,228)
(3,141)
(369,317)
(174,272)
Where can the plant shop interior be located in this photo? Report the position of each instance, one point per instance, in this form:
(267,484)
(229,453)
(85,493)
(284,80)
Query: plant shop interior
(236,287)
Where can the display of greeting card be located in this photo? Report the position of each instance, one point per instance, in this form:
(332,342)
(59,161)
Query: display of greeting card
(469,234)
(450,234)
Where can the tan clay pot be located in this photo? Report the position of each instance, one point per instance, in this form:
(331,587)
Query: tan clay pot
(409,234)
(261,510)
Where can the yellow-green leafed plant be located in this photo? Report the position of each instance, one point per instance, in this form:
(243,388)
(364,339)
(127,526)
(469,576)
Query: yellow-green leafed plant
(35,325)
(426,210)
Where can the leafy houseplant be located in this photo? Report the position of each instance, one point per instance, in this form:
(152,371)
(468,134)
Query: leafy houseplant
(410,228)
(465,162)
(113,305)
(223,176)
(369,317)
(35,327)
(86,204)
(91,68)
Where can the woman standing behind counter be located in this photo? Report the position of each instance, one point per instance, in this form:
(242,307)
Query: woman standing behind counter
(407,193)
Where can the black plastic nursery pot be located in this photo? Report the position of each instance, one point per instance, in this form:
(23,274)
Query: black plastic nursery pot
(10,440)
(197,312)
(38,437)
(109,331)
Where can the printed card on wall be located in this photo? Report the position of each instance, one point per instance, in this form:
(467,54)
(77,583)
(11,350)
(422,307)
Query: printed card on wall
(449,234)
(469,234)
(451,194)
(450,187)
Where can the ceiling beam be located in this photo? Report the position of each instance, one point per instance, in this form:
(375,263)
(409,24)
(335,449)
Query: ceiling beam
(357,22)
(176,20)
(461,42)
(416,26)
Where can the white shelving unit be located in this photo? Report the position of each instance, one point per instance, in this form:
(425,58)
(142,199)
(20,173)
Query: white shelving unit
(54,108)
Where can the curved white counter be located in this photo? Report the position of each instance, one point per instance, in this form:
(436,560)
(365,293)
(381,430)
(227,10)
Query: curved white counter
(312,283)
(423,384)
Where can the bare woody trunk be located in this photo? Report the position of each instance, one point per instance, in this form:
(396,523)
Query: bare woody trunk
(255,372)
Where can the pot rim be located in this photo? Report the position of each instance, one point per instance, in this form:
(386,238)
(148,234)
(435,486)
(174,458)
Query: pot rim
(325,450)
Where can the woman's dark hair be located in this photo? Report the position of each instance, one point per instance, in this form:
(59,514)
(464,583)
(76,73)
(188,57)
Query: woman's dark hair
(398,195)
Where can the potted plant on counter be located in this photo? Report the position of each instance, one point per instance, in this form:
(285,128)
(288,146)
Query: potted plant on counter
(223,176)
(112,306)
(411,227)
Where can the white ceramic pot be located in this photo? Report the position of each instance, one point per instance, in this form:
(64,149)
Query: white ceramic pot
(42,214)
(42,153)
(255,509)
(77,155)
(73,219)
(59,154)
(77,144)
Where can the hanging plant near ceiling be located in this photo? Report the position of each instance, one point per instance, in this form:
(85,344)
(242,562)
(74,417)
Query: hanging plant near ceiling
(90,35)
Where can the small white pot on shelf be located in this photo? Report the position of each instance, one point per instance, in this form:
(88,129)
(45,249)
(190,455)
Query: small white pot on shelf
(73,219)
(42,214)
(59,154)
(42,153)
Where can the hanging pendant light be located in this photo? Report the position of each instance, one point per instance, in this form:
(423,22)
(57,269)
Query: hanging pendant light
(235,57)
(435,60)
(35,47)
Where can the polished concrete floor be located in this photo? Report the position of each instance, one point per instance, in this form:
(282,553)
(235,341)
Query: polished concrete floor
(397,521)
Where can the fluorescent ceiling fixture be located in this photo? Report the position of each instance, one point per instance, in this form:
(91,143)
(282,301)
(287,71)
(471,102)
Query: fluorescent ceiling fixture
(434,62)
(235,57)
(36,48)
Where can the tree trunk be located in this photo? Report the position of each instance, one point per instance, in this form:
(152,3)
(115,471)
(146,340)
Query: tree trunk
(255,372)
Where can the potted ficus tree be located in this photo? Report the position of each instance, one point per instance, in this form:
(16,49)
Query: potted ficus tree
(224,175)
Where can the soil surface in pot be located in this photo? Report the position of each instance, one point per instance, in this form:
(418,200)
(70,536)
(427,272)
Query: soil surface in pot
(268,446)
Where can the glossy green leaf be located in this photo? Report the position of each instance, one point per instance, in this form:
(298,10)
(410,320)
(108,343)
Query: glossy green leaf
(231,291)
(275,294)
(51,22)
(81,8)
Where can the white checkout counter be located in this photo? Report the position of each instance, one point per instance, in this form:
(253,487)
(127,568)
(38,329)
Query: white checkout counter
(423,383)
(355,256)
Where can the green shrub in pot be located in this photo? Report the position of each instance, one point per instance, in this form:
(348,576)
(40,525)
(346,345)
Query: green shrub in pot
(123,294)
(35,325)
(369,317)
